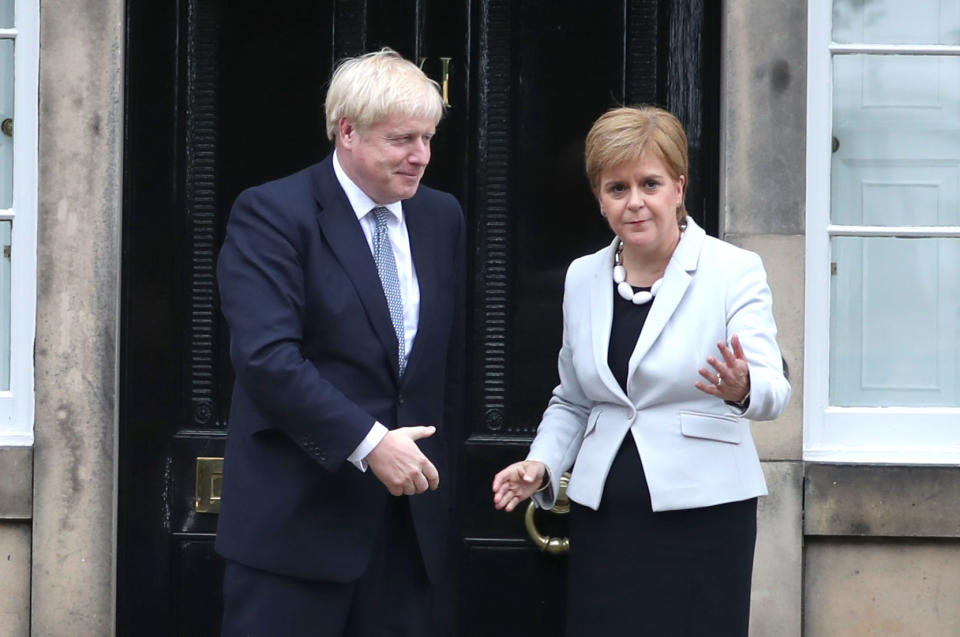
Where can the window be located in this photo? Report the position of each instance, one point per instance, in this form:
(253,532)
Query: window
(19,39)
(882,353)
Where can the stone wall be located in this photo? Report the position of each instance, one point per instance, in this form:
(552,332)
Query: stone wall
(78,276)
(16,510)
(842,550)
(762,192)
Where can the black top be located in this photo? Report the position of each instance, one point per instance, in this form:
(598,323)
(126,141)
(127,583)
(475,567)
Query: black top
(628,320)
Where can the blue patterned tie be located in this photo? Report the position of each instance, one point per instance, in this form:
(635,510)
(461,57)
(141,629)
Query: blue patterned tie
(387,268)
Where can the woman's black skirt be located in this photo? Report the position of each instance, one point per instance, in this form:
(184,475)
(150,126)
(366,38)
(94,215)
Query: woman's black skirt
(669,574)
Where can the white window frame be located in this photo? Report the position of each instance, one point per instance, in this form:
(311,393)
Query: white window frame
(846,434)
(17,403)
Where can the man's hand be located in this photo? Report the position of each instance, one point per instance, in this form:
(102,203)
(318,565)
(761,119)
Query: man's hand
(400,465)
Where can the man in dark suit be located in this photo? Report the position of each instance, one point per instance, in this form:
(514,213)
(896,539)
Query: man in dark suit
(343,287)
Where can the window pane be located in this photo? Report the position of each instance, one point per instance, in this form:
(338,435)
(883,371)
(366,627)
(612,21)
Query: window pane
(897,21)
(896,128)
(6,112)
(5,305)
(895,322)
(6,14)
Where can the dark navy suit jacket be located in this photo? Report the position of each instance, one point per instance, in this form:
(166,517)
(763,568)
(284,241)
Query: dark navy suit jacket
(315,357)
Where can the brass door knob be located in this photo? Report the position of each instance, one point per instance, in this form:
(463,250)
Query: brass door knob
(546,543)
(7,127)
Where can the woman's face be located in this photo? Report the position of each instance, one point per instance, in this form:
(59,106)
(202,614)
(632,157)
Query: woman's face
(640,201)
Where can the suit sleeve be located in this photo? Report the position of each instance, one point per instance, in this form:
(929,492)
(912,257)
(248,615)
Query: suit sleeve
(262,289)
(750,316)
(561,429)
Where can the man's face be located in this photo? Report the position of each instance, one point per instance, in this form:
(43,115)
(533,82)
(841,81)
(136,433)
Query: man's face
(386,160)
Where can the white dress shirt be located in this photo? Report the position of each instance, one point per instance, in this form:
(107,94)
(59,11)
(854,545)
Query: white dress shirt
(362,205)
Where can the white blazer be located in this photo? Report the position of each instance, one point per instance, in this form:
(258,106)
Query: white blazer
(696,449)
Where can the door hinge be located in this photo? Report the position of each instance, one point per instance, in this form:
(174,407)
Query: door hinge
(833,268)
(6,252)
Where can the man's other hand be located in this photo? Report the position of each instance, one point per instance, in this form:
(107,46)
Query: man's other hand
(400,465)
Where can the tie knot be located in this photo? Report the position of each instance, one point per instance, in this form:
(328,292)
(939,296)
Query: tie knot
(381,214)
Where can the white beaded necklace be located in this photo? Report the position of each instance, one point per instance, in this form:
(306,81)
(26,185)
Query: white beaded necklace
(625,289)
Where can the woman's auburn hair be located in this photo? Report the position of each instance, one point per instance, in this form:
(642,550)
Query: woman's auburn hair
(625,134)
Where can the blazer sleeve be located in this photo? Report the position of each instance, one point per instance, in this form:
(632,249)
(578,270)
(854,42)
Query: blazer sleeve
(749,315)
(262,293)
(561,429)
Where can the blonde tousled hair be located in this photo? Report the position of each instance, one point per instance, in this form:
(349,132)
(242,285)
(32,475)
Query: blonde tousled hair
(372,87)
(627,133)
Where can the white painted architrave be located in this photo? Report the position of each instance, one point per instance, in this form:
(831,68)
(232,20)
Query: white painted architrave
(835,434)
(17,404)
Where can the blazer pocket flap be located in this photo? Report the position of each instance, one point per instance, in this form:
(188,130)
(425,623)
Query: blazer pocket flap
(710,427)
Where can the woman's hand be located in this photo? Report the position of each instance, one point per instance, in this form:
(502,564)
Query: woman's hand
(516,483)
(731,380)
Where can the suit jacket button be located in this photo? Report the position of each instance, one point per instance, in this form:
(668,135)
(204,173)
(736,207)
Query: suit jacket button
(322,456)
(401,399)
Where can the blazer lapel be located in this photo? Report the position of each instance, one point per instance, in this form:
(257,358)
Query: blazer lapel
(676,279)
(601,319)
(340,227)
(424,254)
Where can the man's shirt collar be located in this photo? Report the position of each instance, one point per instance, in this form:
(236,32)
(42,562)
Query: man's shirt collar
(359,200)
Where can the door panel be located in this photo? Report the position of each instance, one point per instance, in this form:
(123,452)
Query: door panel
(199,572)
(522,600)
(555,218)
(225,94)
(149,354)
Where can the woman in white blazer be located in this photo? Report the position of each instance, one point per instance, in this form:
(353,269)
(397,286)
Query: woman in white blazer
(669,349)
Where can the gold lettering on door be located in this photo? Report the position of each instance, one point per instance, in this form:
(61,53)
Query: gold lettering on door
(444,77)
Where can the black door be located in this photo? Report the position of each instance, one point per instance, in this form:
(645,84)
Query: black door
(224,94)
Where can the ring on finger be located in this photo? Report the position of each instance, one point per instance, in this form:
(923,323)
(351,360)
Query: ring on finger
(719,380)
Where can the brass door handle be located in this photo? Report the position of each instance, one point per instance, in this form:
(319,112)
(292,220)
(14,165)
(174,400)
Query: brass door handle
(208,485)
(546,543)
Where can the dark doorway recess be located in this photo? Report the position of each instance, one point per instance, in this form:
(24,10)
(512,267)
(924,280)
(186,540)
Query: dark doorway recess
(225,94)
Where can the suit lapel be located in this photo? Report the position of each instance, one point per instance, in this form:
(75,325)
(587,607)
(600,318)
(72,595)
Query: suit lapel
(601,319)
(423,251)
(676,280)
(340,227)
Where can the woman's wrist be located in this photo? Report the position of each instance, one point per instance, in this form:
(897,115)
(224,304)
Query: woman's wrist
(741,404)
(544,481)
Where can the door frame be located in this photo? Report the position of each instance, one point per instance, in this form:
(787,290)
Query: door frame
(157,139)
